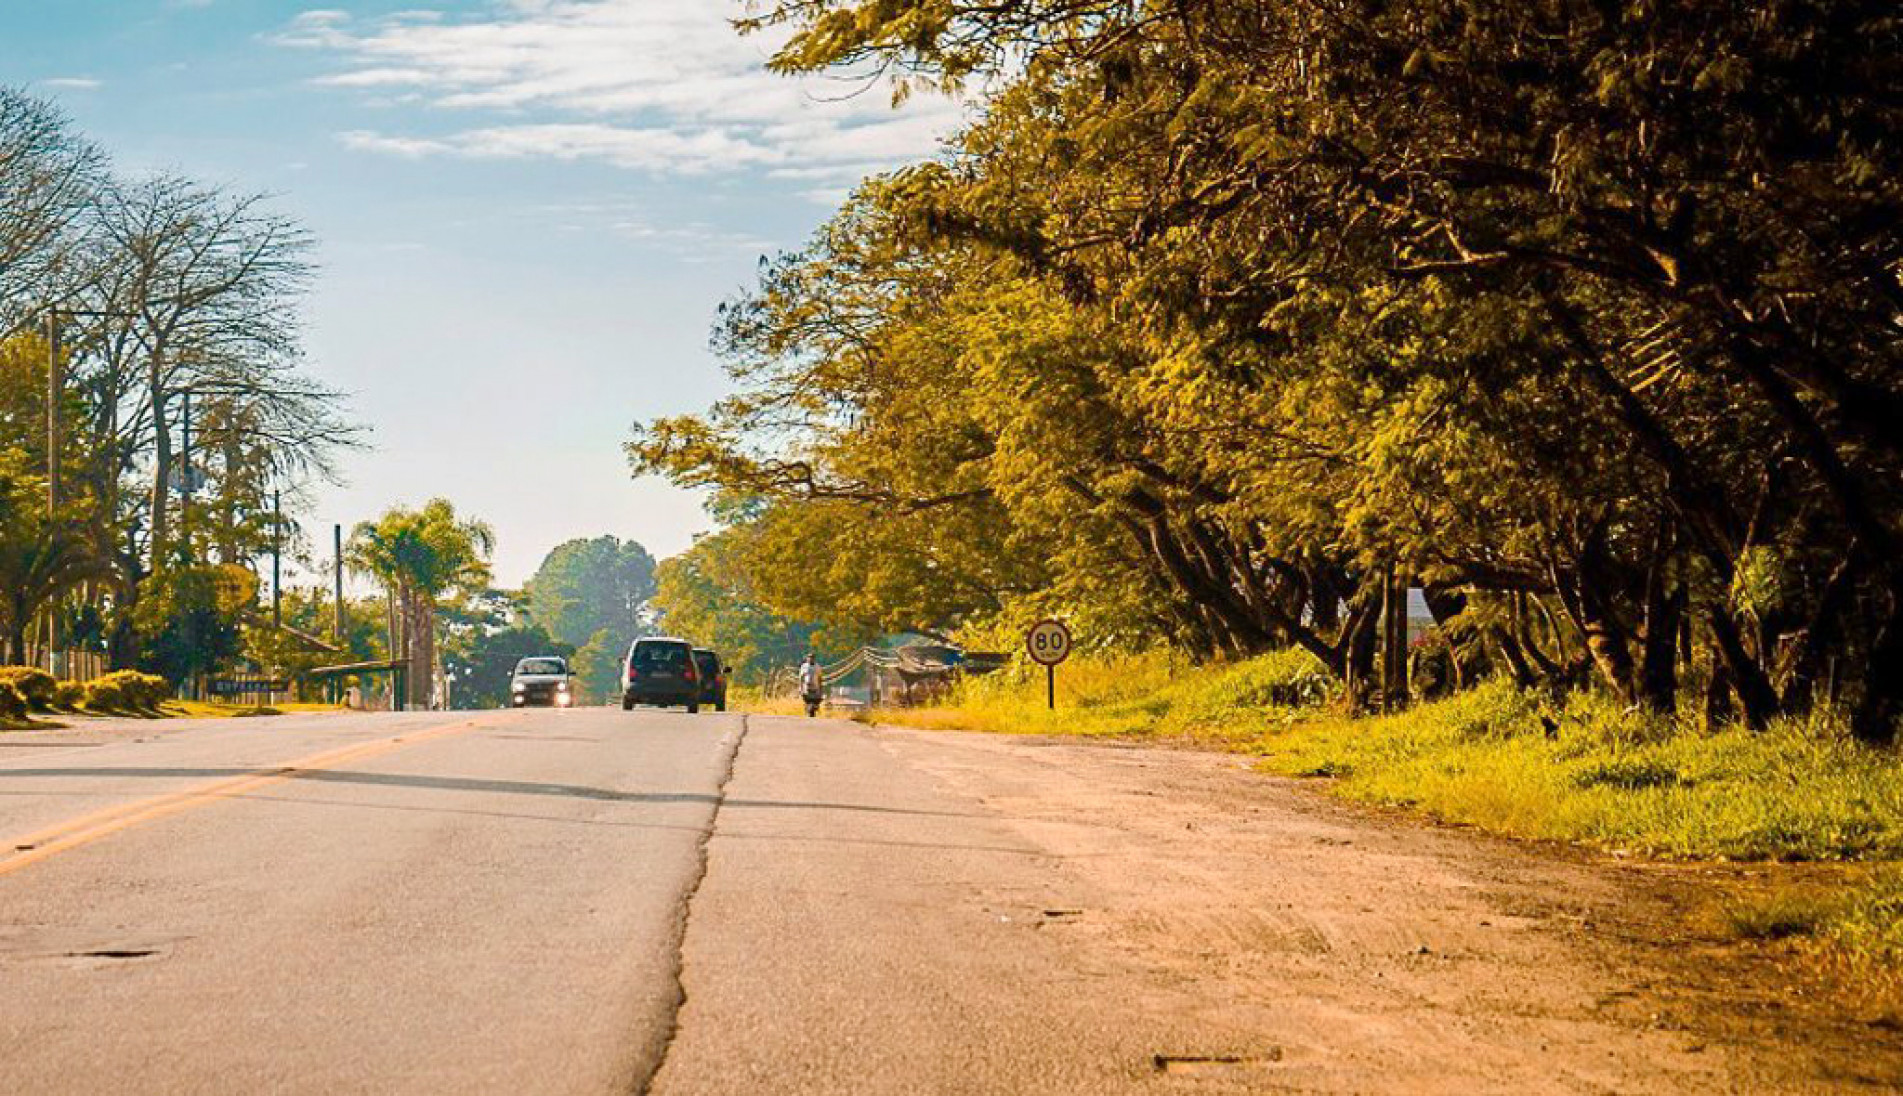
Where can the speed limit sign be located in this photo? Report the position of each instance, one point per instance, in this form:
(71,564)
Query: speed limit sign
(1049,642)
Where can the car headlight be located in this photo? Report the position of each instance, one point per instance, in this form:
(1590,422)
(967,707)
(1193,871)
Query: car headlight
(561,687)
(518,686)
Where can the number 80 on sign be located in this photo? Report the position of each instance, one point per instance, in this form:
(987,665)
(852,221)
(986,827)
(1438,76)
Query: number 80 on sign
(1048,642)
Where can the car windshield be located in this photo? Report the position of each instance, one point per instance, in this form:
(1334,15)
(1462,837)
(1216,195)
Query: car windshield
(541,666)
(660,654)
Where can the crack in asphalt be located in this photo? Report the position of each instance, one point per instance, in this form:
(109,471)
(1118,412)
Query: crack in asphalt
(650,1068)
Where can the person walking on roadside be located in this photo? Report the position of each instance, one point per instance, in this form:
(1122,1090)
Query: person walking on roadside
(812,684)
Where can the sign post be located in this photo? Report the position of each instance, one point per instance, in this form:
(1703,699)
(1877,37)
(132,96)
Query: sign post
(1049,644)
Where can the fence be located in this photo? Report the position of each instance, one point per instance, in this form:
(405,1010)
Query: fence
(255,690)
(905,676)
(70,665)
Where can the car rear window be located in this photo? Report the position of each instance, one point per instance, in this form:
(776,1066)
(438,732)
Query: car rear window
(708,663)
(660,654)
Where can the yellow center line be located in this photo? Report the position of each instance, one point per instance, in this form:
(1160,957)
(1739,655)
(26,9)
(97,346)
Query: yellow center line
(87,828)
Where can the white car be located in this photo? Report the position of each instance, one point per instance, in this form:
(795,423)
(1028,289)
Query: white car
(542,679)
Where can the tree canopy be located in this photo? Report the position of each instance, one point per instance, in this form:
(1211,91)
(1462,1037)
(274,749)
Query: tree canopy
(1225,318)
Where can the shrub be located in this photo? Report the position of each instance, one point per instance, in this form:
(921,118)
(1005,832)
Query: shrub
(105,695)
(12,704)
(34,685)
(68,695)
(137,690)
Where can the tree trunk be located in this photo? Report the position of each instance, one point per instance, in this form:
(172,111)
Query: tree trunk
(1658,651)
(161,526)
(1515,657)
(1718,710)
(1747,678)
(1357,654)
(1605,638)
(1822,632)
(1875,719)
(422,636)
(1393,640)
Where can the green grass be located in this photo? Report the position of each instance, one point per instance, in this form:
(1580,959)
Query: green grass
(1801,790)
(1582,770)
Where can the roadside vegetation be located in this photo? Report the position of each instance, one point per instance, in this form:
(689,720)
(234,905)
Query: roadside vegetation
(158,427)
(1222,326)
(1233,331)
(27,692)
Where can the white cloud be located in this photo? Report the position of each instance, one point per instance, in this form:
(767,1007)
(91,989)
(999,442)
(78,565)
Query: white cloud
(74,83)
(364,140)
(663,86)
(669,151)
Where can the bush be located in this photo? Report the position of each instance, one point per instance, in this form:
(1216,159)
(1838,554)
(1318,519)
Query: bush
(12,704)
(127,690)
(142,690)
(68,695)
(104,695)
(34,685)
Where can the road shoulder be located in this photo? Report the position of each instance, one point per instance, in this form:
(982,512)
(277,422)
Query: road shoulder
(939,911)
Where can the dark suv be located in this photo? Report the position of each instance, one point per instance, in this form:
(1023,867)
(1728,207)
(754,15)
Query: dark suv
(660,671)
(713,678)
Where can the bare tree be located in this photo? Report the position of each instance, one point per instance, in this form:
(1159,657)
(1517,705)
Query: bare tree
(213,282)
(49,177)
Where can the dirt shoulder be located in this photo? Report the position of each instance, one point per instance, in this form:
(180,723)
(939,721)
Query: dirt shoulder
(1375,952)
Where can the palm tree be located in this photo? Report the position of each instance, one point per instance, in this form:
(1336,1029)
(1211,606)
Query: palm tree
(419,556)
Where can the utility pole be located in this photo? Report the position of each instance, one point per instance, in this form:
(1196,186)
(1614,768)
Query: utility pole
(52,412)
(277,558)
(53,660)
(337,565)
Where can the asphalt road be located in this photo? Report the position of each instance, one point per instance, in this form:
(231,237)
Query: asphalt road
(597,901)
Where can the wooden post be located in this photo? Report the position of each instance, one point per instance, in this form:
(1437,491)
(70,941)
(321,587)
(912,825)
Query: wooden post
(337,577)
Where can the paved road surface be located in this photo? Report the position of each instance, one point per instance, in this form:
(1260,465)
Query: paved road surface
(597,901)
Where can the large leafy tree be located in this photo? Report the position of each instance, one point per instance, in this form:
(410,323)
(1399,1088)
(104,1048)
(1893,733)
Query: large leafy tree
(191,618)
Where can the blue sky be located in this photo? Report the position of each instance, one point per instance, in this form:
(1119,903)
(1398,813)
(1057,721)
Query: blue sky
(527,211)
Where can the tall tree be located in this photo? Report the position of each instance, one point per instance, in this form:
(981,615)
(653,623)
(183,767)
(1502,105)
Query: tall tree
(50,178)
